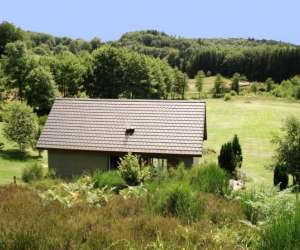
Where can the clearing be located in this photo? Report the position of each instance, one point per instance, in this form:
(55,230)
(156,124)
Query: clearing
(254,120)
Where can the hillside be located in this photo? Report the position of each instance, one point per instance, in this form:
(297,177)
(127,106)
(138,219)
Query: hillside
(255,59)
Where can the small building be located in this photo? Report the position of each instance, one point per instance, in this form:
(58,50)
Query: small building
(82,135)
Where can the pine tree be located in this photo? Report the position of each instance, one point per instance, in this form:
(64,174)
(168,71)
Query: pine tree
(230,156)
(226,158)
(280,177)
(237,151)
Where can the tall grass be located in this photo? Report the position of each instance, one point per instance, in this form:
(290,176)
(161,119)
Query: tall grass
(27,222)
(211,178)
(282,232)
(177,200)
(110,179)
(33,172)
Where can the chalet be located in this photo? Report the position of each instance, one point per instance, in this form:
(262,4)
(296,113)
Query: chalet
(87,134)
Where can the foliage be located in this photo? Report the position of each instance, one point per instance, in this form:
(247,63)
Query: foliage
(40,90)
(255,59)
(270,84)
(119,72)
(8,34)
(180,84)
(211,178)
(254,87)
(288,89)
(288,148)
(133,192)
(282,232)
(230,157)
(235,85)
(218,89)
(262,204)
(226,158)
(17,65)
(20,124)
(69,73)
(110,179)
(177,200)
(280,177)
(33,172)
(227,97)
(85,226)
(132,171)
(199,80)
(81,191)
(237,151)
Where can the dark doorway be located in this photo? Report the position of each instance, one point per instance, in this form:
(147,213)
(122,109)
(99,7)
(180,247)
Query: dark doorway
(114,162)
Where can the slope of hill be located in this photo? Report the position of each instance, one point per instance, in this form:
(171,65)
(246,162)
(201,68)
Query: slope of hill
(256,59)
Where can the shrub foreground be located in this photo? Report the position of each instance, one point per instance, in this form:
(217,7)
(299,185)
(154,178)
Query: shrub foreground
(173,209)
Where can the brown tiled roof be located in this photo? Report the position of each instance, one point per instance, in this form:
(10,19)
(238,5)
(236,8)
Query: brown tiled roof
(160,126)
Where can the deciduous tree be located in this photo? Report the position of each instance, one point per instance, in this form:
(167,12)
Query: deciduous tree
(20,124)
(288,148)
(40,90)
(200,80)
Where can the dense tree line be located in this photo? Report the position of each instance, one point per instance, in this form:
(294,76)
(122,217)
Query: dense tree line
(41,67)
(36,67)
(256,59)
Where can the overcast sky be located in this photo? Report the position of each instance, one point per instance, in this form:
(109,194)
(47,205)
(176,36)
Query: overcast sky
(270,19)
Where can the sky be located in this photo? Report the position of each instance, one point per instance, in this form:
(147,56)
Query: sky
(108,20)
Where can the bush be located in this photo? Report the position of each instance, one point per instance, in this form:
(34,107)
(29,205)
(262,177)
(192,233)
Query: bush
(254,87)
(51,174)
(18,115)
(109,179)
(282,232)
(230,156)
(265,203)
(227,97)
(233,93)
(177,200)
(132,172)
(211,178)
(237,151)
(33,172)
(270,84)
(218,89)
(280,177)
(226,158)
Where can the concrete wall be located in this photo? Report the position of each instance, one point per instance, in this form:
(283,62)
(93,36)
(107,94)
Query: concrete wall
(68,163)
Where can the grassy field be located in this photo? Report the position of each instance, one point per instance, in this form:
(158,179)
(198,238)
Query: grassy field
(255,120)
(12,162)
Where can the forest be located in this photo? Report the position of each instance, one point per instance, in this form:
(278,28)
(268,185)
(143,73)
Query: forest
(143,64)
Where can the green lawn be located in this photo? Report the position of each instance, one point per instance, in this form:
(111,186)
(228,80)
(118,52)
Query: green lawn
(254,120)
(12,162)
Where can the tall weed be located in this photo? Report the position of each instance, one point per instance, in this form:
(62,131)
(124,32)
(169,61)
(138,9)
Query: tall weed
(177,200)
(282,232)
(211,178)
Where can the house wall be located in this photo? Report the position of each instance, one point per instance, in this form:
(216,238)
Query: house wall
(68,163)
